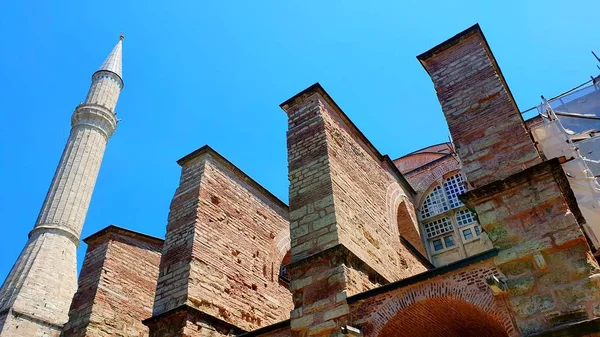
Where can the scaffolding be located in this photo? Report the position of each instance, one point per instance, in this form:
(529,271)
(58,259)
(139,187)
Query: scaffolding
(571,129)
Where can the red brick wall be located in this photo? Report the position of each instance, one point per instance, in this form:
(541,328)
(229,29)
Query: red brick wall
(187,322)
(226,263)
(485,123)
(116,285)
(413,161)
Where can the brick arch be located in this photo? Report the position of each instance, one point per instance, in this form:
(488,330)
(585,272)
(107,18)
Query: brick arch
(422,179)
(394,196)
(482,299)
(443,317)
(408,227)
(402,216)
(282,243)
(281,253)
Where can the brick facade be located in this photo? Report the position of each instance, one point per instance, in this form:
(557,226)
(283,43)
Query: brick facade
(349,241)
(116,285)
(223,249)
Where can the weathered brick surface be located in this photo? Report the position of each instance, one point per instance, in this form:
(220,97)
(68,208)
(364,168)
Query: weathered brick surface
(116,285)
(422,309)
(485,123)
(17,324)
(223,249)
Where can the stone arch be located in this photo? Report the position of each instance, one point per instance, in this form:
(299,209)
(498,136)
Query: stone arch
(444,292)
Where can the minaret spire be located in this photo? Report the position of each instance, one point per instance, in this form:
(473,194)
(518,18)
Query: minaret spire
(113,62)
(36,296)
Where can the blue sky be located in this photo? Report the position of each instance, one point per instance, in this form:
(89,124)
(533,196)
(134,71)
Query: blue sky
(215,73)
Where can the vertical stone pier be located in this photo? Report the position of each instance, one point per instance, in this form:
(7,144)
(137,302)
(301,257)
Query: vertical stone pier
(344,201)
(525,205)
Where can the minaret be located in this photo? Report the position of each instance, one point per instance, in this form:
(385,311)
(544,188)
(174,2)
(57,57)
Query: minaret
(35,297)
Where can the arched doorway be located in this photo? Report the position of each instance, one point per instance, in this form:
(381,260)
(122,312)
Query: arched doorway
(443,317)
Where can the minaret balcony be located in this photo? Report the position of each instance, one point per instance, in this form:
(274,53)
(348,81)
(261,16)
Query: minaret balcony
(96,116)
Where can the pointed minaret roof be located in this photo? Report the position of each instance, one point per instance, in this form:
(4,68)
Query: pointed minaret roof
(113,61)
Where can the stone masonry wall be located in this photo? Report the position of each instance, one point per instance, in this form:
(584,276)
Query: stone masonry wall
(45,270)
(221,255)
(116,285)
(485,123)
(551,274)
(344,201)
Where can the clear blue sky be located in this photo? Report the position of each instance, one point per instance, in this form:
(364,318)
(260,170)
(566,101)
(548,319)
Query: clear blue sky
(216,73)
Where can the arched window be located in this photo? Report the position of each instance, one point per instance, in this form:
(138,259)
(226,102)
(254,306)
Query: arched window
(444,216)
(435,203)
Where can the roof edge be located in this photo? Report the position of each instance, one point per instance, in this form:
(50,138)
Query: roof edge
(268,328)
(424,276)
(206,149)
(317,88)
(125,232)
(474,29)
(449,42)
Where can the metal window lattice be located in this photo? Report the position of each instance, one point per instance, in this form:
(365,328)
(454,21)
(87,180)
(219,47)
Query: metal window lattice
(438,227)
(464,217)
(454,187)
(435,203)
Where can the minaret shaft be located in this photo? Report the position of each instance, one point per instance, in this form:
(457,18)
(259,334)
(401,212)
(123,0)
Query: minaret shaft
(69,196)
(36,296)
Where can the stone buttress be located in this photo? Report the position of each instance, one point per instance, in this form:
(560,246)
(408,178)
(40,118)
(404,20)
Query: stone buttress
(116,285)
(225,243)
(524,204)
(35,297)
(344,200)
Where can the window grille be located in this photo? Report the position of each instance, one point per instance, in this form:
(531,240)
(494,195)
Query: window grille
(464,217)
(454,187)
(435,203)
(438,227)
